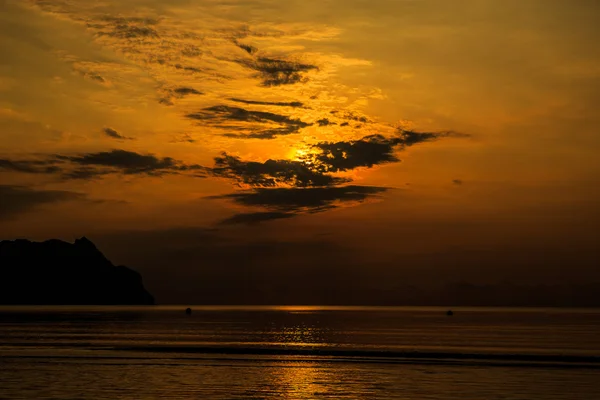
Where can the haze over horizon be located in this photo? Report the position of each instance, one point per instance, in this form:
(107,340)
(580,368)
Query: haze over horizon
(260,150)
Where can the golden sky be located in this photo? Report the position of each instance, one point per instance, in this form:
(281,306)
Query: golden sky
(378,140)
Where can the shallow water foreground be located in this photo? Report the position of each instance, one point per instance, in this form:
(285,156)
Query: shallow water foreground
(298,353)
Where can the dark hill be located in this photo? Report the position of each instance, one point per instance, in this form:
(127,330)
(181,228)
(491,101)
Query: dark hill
(57,272)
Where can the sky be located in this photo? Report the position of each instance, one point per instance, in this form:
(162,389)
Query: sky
(259,151)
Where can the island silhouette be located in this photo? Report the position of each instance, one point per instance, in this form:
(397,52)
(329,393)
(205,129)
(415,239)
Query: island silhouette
(55,272)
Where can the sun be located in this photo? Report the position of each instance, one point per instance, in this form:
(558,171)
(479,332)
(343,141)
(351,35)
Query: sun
(300,154)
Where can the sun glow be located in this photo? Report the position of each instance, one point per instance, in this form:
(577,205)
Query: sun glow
(301,154)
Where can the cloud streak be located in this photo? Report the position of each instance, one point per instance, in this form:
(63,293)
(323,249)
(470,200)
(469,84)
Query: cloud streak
(331,157)
(255,218)
(114,134)
(96,164)
(277,72)
(304,199)
(20,199)
(129,162)
(269,103)
(270,173)
(256,124)
(29,166)
(311,184)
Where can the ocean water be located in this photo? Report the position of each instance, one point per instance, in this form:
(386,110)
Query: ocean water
(298,353)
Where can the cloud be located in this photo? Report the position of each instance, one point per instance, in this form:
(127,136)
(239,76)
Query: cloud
(265,133)
(310,184)
(129,28)
(457,182)
(169,94)
(257,217)
(18,199)
(85,173)
(325,122)
(330,157)
(93,165)
(350,116)
(323,159)
(183,138)
(347,155)
(269,103)
(289,202)
(114,134)
(257,124)
(228,113)
(29,166)
(274,72)
(129,162)
(271,172)
(184,91)
(246,47)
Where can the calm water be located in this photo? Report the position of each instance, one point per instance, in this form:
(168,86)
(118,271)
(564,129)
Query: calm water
(298,353)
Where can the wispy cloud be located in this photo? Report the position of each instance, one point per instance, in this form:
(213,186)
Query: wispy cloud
(254,124)
(303,199)
(29,166)
(277,72)
(271,172)
(269,103)
(366,152)
(110,132)
(291,202)
(96,164)
(19,199)
(256,217)
(129,162)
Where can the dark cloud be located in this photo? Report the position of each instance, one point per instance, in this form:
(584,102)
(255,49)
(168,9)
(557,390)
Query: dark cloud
(128,30)
(184,91)
(85,173)
(350,116)
(331,157)
(347,155)
(29,166)
(274,72)
(269,103)
(229,117)
(178,93)
(264,133)
(18,199)
(130,20)
(324,159)
(129,162)
(457,181)
(247,48)
(271,172)
(325,122)
(97,77)
(227,113)
(257,217)
(302,200)
(92,165)
(187,68)
(184,138)
(114,134)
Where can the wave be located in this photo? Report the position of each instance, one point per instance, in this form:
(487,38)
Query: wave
(390,356)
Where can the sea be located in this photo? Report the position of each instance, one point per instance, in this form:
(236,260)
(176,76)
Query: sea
(299,352)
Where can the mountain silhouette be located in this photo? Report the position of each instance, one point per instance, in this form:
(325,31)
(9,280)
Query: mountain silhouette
(57,272)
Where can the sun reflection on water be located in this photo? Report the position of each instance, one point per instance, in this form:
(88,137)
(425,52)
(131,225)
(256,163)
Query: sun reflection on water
(299,381)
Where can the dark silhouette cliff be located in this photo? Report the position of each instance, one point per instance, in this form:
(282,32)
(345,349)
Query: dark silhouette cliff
(57,272)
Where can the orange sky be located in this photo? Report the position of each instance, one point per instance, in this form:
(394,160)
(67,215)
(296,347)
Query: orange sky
(396,136)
